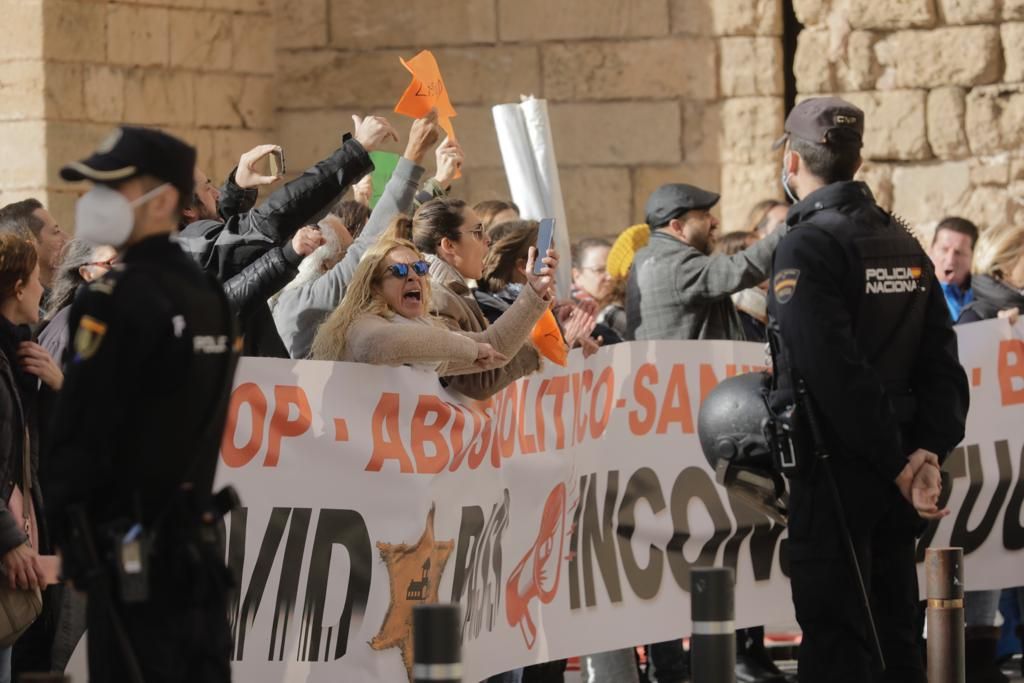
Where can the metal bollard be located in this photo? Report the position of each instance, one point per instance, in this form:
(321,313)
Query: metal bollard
(713,610)
(944,571)
(437,644)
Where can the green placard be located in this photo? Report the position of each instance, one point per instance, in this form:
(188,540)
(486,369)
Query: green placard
(384,164)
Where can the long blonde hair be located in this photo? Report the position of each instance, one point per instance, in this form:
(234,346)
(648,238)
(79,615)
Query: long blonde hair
(362,299)
(998,250)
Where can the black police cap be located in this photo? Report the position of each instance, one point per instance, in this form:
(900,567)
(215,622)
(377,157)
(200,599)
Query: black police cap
(673,200)
(130,152)
(816,118)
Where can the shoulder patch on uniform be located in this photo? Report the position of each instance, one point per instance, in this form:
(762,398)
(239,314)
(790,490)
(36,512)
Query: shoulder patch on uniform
(784,284)
(88,337)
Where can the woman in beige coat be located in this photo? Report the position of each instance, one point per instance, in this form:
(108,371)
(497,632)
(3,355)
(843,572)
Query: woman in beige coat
(452,236)
(384,319)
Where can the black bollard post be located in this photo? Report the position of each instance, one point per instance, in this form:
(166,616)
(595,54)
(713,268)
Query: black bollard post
(713,610)
(437,645)
(944,572)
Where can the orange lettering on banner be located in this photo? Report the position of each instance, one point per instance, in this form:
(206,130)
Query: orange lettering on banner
(538,411)
(676,406)
(478,449)
(1010,370)
(505,439)
(599,424)
(432,432)
(387,439)
(581,383)
(458,450)
(559,388)
(251,394)
(527,442)
(640,423)
(281,425)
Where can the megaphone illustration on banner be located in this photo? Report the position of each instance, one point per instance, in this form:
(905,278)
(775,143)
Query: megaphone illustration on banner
(538,573)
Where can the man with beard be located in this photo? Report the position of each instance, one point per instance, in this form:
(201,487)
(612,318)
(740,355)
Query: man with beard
(678,288)
(683,291)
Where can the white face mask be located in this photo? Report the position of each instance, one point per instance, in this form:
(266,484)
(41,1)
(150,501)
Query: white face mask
(785,182)
(104,216)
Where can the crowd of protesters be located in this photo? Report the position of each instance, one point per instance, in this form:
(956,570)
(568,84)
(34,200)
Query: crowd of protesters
(425,280)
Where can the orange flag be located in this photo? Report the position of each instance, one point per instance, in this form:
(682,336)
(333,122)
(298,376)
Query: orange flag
(548,340)
(426,91)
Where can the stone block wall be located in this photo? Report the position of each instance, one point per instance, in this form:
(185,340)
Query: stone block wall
(942,86)
(632,86)
(201,69)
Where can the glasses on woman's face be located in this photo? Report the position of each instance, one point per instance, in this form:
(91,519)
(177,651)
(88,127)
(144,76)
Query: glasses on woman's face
(401,270)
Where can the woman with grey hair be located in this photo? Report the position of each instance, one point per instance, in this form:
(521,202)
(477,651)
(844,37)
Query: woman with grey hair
(80,264)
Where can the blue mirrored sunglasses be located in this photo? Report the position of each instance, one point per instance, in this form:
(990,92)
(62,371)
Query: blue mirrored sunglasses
(401,270)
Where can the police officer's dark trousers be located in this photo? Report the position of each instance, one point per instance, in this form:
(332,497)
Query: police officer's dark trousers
(173,640)
(836,645)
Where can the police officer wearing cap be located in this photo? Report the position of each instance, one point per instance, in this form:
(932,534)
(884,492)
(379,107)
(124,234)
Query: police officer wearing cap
(140,418)
(862,346)
(677,289)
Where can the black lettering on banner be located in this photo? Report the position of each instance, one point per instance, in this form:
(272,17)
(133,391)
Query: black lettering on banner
(334,527)
(470,528)
(478,574)
(1013,531)
(288,587)
(694,482)
(645,581)
(348,529)
(765,537)
(598,540)
(243,620)
(971,539)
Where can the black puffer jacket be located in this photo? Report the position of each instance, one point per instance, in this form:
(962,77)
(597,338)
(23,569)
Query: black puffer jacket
(990,297)
(224,248)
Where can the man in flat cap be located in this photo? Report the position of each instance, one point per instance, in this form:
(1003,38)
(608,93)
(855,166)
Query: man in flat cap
(148,376)
(872,397)
(678,289)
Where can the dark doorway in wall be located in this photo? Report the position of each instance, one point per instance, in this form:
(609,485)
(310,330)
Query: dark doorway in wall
(791,28)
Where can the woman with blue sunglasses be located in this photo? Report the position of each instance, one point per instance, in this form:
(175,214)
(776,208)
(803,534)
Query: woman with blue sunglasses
(384,320)
(452,236)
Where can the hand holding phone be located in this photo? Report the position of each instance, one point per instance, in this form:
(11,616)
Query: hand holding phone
(545,236)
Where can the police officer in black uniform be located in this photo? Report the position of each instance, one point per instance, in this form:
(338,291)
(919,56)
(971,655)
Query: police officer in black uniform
(140,418)
(862,345)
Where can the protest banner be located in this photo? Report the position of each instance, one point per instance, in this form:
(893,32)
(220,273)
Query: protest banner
(564,515)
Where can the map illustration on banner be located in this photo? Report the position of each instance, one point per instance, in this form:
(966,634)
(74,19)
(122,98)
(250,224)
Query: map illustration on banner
(563,516)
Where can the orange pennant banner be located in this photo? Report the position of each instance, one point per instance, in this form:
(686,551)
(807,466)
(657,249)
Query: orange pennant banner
(426,92)
(548,340)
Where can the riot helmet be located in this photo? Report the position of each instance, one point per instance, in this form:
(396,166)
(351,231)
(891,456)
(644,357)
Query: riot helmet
(733,428)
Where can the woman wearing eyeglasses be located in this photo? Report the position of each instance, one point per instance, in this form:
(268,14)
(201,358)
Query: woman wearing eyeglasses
(384,320)
(452,236)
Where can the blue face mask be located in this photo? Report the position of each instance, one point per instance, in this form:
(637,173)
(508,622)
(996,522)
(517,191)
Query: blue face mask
(785,183)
